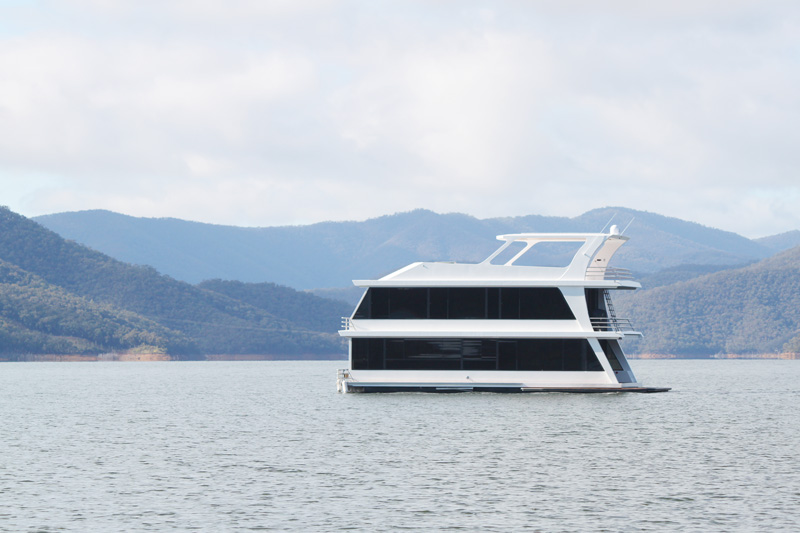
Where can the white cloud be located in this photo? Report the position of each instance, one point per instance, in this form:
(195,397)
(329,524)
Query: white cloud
(289,112)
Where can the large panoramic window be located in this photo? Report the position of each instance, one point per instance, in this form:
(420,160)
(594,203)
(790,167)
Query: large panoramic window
(526,303)
(474,354)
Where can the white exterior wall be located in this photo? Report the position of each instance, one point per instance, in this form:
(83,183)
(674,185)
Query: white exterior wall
(485,377)
(566,329)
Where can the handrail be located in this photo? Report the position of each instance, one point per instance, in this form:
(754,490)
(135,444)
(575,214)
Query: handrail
(609,273)
(612,324)
(347,323)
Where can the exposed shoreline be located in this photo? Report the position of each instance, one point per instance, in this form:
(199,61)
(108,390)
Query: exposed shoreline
(785,356)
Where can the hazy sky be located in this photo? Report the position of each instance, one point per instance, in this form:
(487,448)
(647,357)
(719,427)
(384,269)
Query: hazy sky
(258,112)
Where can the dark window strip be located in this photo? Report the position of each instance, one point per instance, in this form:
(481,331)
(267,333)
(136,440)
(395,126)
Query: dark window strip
(474,354)
(457,303)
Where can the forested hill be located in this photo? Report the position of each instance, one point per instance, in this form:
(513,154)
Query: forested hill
(37,317)
(300,308)
(331,254)
(749,310)
(57,296)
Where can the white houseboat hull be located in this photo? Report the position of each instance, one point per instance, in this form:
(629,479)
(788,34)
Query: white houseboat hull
(495,327)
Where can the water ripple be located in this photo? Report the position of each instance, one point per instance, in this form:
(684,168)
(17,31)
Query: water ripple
(269,446)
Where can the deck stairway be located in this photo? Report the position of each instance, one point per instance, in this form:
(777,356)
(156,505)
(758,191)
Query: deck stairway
(611,322)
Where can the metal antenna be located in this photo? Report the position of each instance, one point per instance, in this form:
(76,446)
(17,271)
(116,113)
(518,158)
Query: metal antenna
(626,227)
(607,223)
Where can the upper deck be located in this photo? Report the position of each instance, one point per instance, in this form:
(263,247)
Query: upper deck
(589,266)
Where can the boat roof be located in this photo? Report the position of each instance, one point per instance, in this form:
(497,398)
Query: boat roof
(565,237)
(588,267)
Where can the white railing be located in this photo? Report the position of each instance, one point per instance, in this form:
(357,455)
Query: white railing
(609,273)
(347,323)
(621,325)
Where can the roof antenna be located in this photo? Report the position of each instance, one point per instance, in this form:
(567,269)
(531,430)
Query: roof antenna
(626,227)
(607,223)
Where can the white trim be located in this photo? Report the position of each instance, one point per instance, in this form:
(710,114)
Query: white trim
(471,378)
(495,282)
(473,334)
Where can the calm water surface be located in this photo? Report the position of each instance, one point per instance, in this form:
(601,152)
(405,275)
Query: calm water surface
(218,446)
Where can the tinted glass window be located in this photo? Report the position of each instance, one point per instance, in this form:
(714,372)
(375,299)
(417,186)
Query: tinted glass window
(467,303)
(359,352)
(506,355)
(394,348)
(438,303)
(527,303)
(509,303)
(479,354)
(379,302)
(474,354)
(546,303)
(368,354)
(428,354)
(376,353)
(408,303)
(493,302)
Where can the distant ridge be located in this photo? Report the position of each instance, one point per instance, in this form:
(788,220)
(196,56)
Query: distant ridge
(782,241)
(59,297)
(331,254)
(748,310)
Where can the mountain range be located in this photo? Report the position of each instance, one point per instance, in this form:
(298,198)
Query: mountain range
(294,255)
(200,290)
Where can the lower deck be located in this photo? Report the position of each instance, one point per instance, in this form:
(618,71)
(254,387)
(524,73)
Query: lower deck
(484,381)
(487,365)
(466,361)
(505,388)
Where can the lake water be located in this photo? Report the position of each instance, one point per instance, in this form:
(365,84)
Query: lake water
(238,446)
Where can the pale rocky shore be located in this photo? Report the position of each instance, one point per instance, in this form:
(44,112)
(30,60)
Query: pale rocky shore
(786,355)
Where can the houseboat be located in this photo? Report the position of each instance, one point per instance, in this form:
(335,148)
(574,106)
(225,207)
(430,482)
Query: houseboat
(502,325)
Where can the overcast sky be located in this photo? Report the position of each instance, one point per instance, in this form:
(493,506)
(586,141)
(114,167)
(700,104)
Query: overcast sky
(260,113)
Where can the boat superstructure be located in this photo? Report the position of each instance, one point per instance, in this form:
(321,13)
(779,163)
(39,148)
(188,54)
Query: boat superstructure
(499,325)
